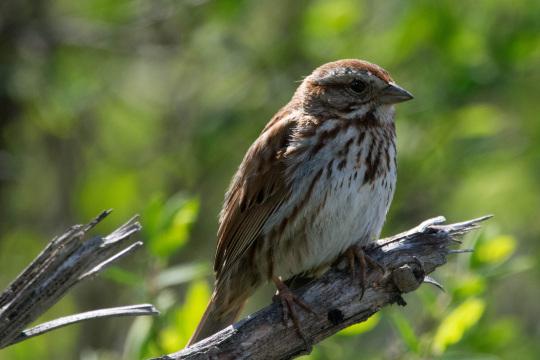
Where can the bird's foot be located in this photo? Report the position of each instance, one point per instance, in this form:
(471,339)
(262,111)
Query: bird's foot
(356,254)
(288,301)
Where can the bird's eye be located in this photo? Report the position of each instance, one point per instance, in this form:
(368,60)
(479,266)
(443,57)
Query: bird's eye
(358,86)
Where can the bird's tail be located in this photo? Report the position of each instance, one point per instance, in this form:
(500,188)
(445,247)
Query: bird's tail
(218,315)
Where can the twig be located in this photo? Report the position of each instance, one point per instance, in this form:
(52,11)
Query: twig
(131,310)
(65,261)
(408,258)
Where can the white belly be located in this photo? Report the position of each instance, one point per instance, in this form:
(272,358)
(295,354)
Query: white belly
(355,216)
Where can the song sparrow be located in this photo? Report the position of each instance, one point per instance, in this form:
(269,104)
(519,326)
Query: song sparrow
(317,181)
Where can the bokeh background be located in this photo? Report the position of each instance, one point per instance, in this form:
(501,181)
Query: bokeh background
(148,107)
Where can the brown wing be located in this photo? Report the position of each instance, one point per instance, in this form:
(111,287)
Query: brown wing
(256,191)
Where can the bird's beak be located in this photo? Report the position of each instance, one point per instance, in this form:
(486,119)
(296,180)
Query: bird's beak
(393,94)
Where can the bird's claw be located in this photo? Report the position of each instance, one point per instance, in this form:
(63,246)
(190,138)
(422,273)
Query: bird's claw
(288,301)
(356,254)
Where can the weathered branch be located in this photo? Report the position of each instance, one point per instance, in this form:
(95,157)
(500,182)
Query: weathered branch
(408,257)
(130,310)
(65,261)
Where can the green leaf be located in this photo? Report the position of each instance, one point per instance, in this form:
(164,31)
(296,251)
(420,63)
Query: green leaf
(169,224)
(405,330)
(362,327)
(152,216)
(470,285)
(495,250)
(176,334)
(452,328)
(194,306)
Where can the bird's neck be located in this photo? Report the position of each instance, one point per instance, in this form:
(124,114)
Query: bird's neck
(384,114)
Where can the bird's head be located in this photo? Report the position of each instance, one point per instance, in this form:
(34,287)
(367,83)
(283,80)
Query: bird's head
(350,89)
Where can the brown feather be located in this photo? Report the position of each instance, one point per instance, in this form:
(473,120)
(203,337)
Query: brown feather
(257,190)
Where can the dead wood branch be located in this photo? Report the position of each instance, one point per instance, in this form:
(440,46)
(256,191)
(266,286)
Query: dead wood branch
(65,261)
(408,258)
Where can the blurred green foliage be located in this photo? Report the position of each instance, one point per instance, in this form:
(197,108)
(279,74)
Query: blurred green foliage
(149,106)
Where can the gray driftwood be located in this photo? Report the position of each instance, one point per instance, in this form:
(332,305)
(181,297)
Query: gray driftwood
(65,261)
(408,258)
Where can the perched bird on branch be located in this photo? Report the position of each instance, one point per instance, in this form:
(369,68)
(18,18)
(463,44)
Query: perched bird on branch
(315,185)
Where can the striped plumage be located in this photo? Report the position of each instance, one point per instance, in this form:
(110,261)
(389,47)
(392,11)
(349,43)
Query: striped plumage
(319,179)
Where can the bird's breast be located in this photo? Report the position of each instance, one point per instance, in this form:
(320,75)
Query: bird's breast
(341,188)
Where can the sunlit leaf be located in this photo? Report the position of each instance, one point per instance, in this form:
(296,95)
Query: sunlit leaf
(471,285)
(185,320)
(362,327)
(314,355)
(193,308)
(151,350)
(495,250)
(170,339)
(453,326)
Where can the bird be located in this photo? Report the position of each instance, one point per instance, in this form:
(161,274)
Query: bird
(315,185)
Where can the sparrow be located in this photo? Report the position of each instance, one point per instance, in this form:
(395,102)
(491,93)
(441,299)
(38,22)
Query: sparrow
(315,185)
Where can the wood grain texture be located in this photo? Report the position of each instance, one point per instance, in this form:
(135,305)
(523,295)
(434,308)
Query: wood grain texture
(65,261)
(408,258)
